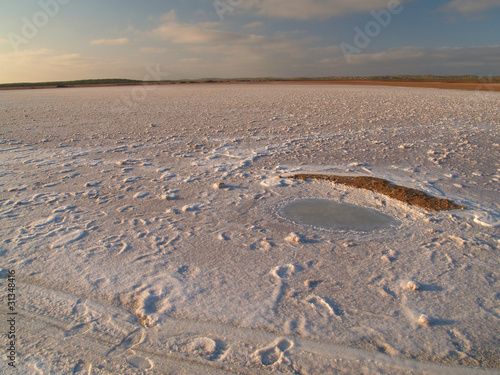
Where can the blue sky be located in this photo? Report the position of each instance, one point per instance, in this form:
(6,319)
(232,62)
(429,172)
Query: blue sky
(47,40)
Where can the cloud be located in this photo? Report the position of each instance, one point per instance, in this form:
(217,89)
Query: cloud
(154,50)
(184,33)
(464,55)
(278,56)
(4,41)
(110,42)
(254,25)
(313,9)
(169,16)
(469,6)
(19,66)
(34,65)
(481,60)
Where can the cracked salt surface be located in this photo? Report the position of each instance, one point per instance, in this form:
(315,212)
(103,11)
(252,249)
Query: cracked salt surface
(129,260)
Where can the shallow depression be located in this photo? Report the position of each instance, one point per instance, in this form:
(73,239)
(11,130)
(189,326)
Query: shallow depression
(333,215)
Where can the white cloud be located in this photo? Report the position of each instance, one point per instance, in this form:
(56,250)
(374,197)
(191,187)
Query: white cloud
(197,50)
(169,16)
(254,25)
(110,42)
(184,33)
(278,56)
(313,9)
(465,55)
(206,51)
(26,65)
(471,6)
(191,60)
(154,50)
(417,60)
(35,65)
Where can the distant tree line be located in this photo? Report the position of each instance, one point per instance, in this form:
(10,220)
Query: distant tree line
(389,78)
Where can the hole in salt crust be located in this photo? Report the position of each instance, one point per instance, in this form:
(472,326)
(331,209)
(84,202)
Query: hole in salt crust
(339,216)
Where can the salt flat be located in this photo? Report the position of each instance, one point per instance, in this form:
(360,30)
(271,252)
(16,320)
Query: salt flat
(144,229)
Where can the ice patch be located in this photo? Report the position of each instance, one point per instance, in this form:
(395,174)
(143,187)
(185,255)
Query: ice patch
(341,216)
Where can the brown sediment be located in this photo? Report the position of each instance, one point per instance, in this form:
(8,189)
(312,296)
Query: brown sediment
(410,196)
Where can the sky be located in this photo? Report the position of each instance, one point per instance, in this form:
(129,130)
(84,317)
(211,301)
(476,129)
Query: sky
(55,40)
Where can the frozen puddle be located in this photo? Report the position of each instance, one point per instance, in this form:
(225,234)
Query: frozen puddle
(333,215)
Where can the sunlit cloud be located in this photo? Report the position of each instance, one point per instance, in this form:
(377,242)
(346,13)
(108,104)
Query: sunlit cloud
(186,33)
(468,6)
(281,38)
(153,50)
(311,9)
(254,25)
(466,55)
(31,64)
(419,60)
(110,42)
